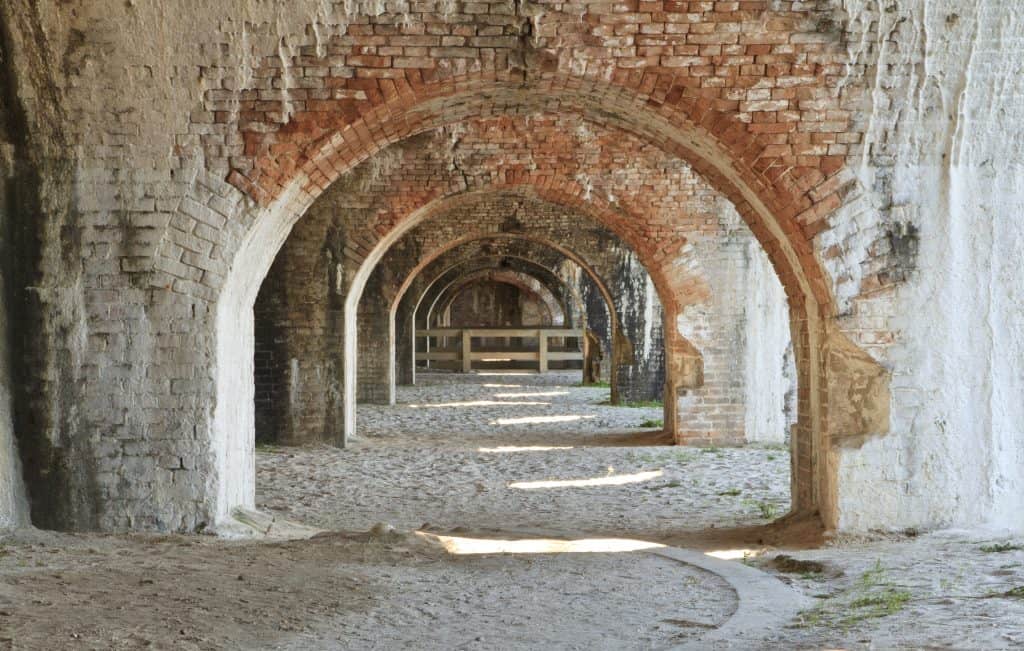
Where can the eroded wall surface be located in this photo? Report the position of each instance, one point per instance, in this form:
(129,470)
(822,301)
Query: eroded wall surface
(642,317)
(769,378)
(13,503)
(928,266)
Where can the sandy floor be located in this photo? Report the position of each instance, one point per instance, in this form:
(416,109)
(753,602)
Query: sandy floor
(488,458)
(442,456)
(510,408)
(340,592)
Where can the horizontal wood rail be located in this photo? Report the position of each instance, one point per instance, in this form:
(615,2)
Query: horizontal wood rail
(463,350)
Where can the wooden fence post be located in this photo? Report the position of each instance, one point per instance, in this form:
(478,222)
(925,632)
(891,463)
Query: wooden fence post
(467,355)
(542,347)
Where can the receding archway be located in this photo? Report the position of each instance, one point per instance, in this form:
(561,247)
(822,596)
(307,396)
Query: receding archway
(616,341)
(806,292)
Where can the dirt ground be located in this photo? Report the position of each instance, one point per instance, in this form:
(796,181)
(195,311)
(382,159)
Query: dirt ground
(486,458)
(340,591)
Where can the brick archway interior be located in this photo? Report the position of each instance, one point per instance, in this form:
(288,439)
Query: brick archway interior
(278,210)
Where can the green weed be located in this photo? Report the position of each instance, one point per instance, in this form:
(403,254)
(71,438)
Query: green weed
(998,548)
(888,601)
(711,449)
(872,596)
(641,404)
(767,510)
(671,484)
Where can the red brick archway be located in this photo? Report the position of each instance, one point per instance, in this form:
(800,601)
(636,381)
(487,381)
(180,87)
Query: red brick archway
(782,202)
(441,205)
(517,279)
(784,199)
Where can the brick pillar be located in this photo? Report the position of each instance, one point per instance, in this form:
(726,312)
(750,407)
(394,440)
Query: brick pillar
(405,331)
(373,340)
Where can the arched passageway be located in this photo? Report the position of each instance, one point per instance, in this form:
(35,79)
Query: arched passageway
(574,243)
(566,121)
(741,202)
(686,371)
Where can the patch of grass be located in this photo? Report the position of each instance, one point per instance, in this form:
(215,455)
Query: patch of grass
(596,385)
(883,603)
(680,456)
(873,577)
(642,458)
(1013,593)
(665,456)
(675,483)
(731,492)
(998,548)
(771,457)
(641,404)
(767,510)
(872,596)
(653,422)
(713,449)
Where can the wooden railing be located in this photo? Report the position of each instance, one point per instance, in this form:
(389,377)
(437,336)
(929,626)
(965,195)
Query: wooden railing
(463,352)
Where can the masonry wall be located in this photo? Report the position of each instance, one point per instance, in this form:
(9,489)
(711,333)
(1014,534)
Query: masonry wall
(299,340)
(769,377)
(928,265)
(13,503)
(42,341)
(726,333)
(643,377)
(374,374)
(598,318)
(640,368)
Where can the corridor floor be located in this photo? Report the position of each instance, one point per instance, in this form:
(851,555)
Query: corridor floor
(510,512)
(521,451)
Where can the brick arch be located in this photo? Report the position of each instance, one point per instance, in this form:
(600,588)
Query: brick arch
(685,361)
(521,281)
(523,264)
(566,252)
(620,346)
(783,204)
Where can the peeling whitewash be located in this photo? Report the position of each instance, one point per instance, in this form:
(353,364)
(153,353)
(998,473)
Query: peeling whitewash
(945,156)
